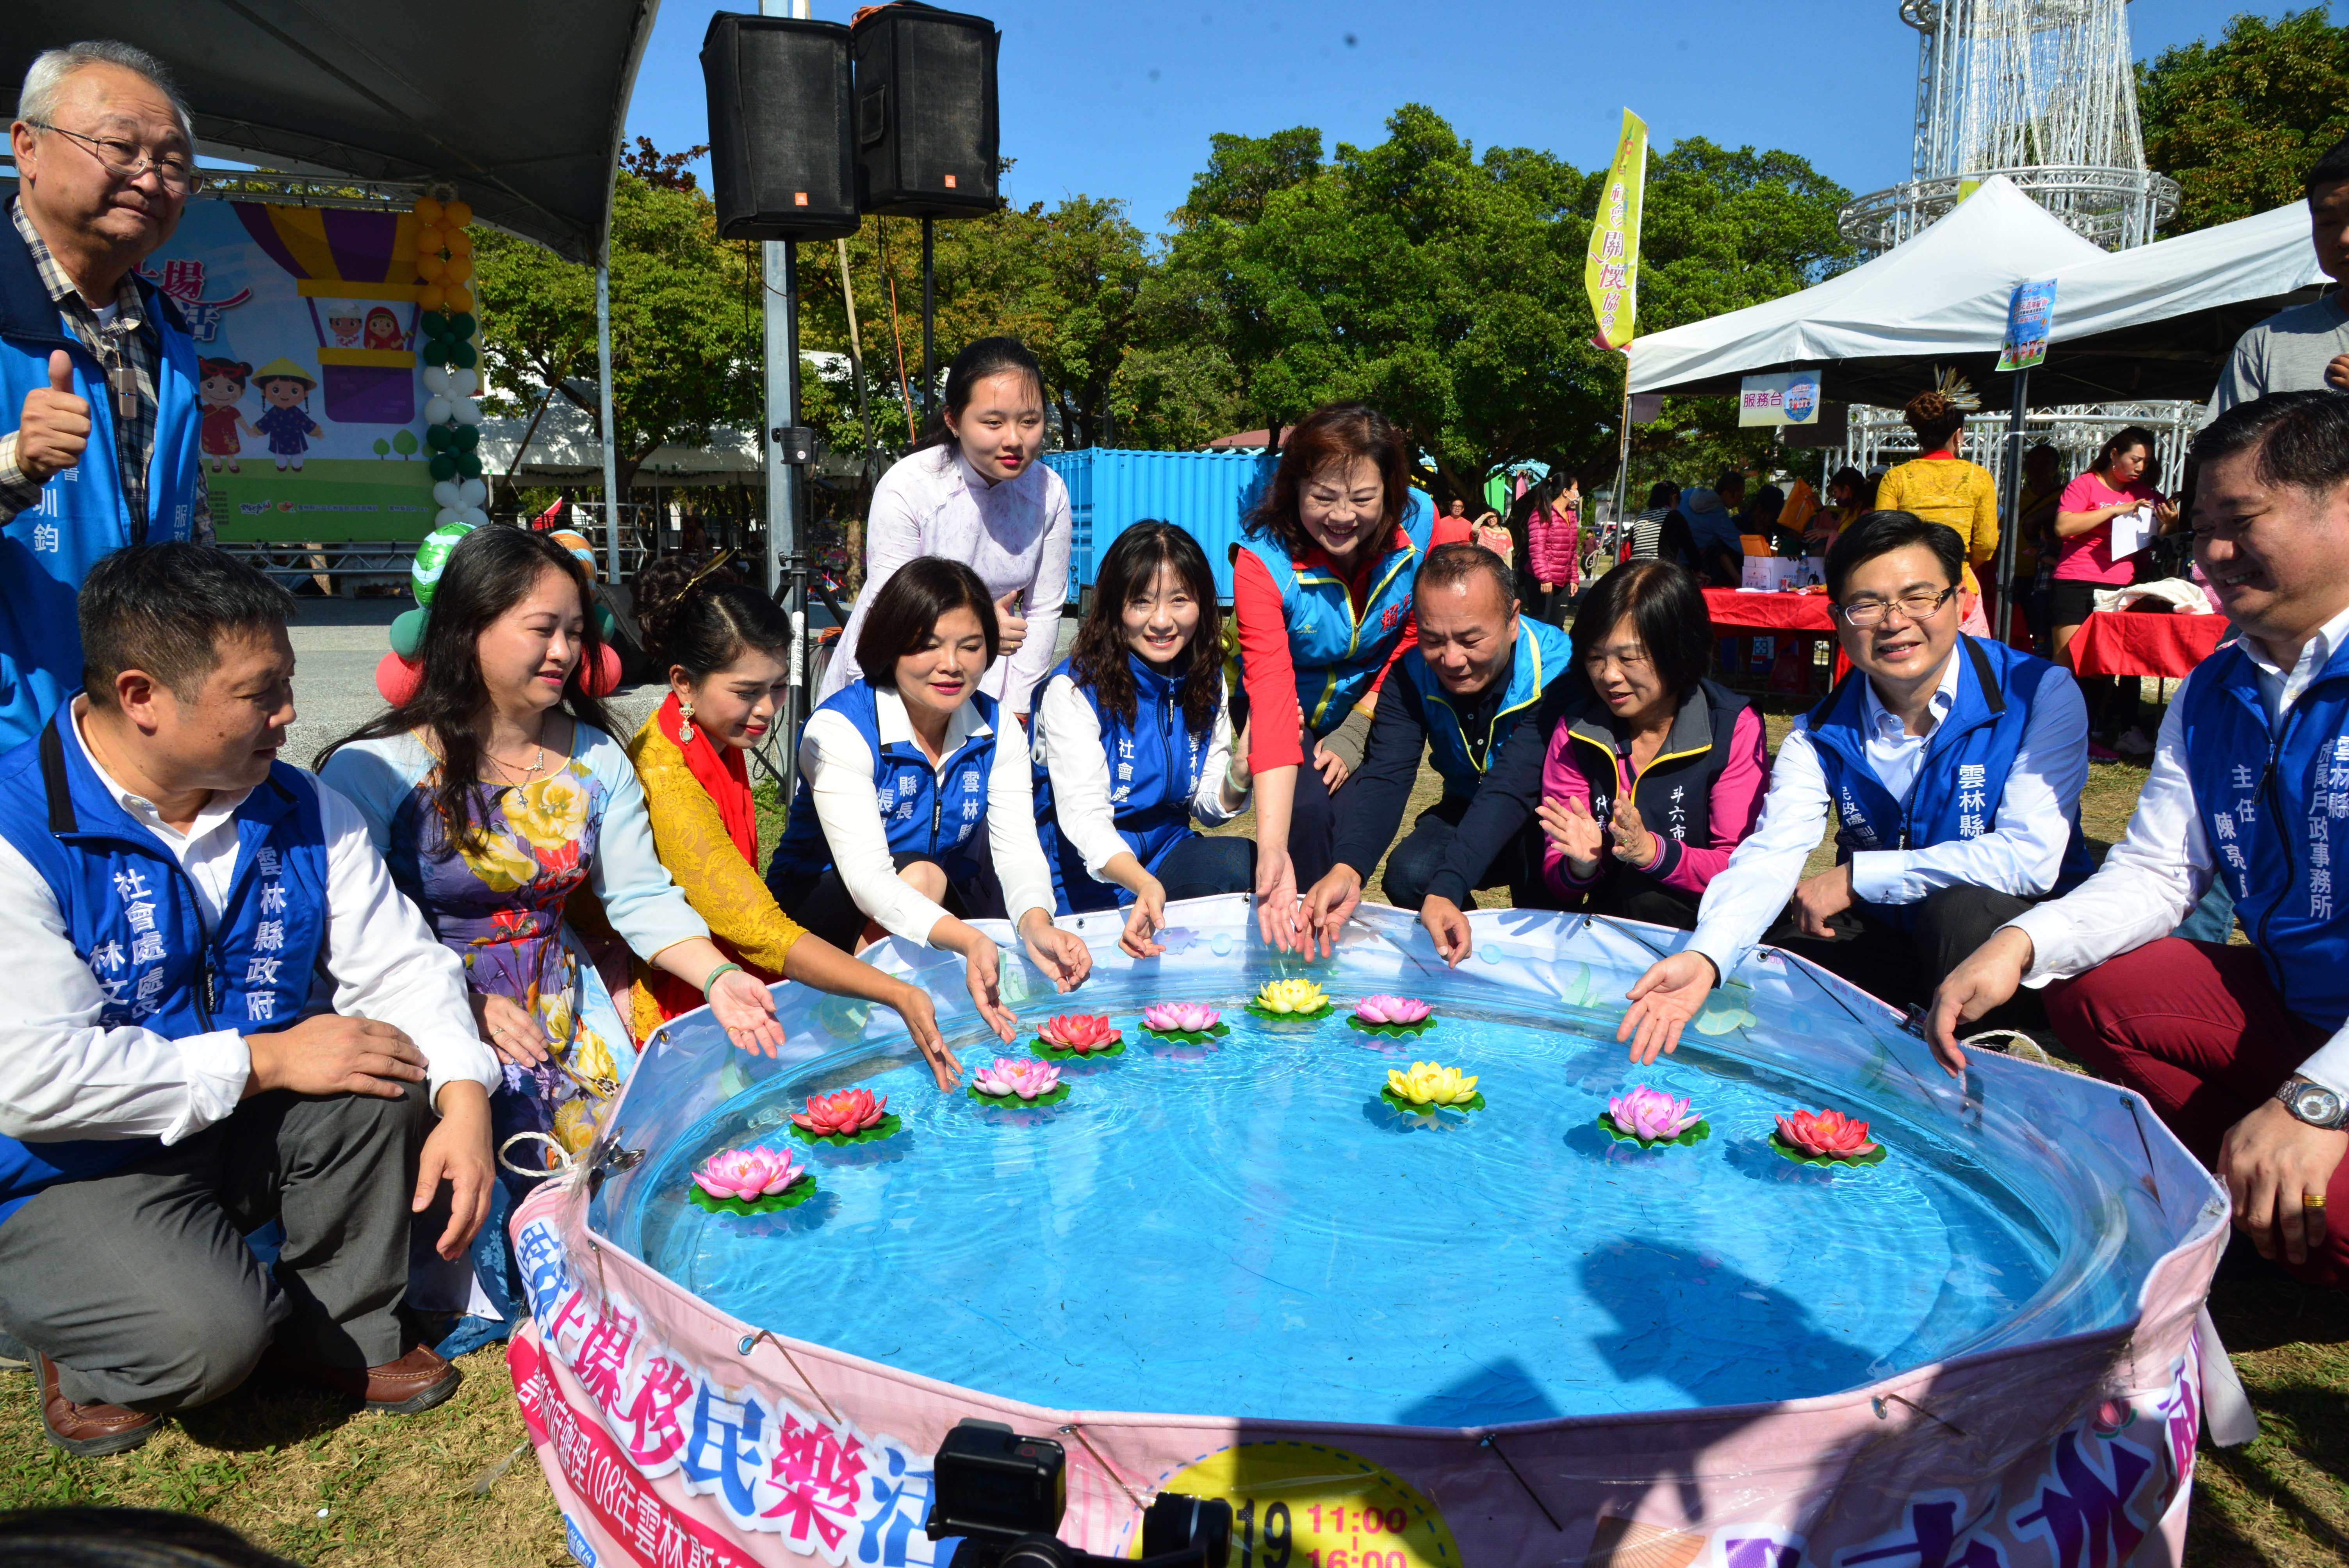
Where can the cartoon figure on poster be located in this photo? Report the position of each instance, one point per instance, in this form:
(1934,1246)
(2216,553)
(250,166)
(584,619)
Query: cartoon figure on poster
(383,333)
(219,387)
(285,388)
(345,323)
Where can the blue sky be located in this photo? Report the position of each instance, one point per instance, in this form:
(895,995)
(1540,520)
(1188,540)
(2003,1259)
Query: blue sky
(1119,98)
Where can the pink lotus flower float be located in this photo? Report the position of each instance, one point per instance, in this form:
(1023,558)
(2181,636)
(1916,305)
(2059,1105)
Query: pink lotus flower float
(849,1116)
(1192,1023)
(1825,1138)
(1018,1081)
(1078,1035)
(754,1180)
(1650,1118)
(1391,1015)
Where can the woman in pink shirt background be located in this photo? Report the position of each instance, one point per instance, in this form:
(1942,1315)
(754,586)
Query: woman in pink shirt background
(2113,486)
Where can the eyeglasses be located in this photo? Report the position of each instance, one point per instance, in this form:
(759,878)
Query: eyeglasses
(1863,614)
(127,161)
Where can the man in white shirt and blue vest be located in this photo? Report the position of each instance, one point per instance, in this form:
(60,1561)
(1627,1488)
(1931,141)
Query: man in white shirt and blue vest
(220,1013)
(2243,1050)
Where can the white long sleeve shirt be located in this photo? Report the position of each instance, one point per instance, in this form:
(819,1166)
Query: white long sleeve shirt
(1015,534)
(2161,868)
(63,1075)
(1068,748)
(838,767)
(2022,854)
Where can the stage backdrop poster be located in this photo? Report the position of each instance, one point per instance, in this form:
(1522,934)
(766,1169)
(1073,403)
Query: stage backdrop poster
(305,326)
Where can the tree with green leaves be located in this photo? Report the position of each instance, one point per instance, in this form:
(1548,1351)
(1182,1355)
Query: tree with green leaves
(2237,123)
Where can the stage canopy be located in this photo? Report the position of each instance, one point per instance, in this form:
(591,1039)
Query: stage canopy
(519,104)
(2155,321)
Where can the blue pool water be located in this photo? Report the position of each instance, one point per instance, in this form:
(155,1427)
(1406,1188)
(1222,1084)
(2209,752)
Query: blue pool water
(1244,1229)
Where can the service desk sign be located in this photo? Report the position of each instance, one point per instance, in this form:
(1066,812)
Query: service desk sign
(2029,315)
(1788,397)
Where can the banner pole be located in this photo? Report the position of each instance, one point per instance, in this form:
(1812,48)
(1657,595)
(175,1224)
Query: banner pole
(2011,483)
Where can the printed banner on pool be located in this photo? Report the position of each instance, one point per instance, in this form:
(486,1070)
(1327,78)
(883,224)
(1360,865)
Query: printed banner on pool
(305,326)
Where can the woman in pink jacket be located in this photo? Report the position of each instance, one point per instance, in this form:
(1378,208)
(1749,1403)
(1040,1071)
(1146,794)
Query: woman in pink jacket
(1553,543)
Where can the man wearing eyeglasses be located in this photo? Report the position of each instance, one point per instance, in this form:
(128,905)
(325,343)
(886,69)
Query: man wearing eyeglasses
(1949,768)
(96,365)
(2242,1050)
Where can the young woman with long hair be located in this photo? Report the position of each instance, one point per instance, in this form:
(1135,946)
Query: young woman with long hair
(494,793)
(1321,584)
(726,646)
(973,491)
(914,809)
(1133,742)
(2114,487)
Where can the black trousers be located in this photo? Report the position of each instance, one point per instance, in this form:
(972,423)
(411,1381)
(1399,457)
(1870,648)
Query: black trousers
(823,906)
(1412,864)
(1903,968)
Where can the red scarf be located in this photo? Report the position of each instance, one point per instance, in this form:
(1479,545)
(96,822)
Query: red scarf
(720,770)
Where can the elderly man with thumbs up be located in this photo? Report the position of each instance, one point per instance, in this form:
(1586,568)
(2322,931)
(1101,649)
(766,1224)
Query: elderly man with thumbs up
(97,371)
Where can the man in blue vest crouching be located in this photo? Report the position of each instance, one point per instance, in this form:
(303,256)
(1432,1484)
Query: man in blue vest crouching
(219,1012)
(2243,1050)
(1479,670)
(1951,769)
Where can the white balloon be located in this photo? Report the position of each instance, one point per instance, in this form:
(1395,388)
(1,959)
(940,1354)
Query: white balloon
(436,380)
(448,493)
(465,411)
(463,383)
(447,515)
(436,410)
(472,492)
(477,517)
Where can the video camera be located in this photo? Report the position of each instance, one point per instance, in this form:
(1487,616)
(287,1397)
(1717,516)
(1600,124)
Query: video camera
(1004,1494)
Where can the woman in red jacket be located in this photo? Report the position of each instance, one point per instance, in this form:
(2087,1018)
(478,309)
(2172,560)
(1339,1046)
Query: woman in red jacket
(1554,542)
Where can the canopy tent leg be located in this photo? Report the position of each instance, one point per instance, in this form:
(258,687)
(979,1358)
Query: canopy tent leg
(2009,508)
(930,328)
(604,409)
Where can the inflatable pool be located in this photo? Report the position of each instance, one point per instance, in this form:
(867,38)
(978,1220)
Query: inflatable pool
(1227,1262)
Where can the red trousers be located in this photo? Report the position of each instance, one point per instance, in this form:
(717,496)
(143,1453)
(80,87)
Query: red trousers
(2200,1032)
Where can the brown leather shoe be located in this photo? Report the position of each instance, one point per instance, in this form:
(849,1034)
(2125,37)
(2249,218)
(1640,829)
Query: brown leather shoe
(417,1381)
(86,1431)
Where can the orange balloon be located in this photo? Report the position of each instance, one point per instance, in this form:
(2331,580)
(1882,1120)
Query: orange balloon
(431,268)
(433,297)
(430,240)
(460,244)
(427,210)
(460,300)
(457,214)
(457,269)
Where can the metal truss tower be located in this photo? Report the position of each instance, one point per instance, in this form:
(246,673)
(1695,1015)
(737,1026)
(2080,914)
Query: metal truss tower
(2041,91)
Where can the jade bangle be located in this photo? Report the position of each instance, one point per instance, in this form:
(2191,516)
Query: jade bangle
(714,974)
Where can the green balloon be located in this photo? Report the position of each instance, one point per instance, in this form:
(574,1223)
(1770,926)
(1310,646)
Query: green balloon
(431,559)
(460,326)
(470,464)
(440,438)
(607,624)
(460,355)
(435,351)
(444,466)
(408,627)
(433,324)
(468,437)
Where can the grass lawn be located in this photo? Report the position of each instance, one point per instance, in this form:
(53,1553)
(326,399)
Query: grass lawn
(437,1491)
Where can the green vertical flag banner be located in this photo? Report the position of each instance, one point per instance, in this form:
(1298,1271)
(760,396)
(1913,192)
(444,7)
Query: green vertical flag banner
(1611,274)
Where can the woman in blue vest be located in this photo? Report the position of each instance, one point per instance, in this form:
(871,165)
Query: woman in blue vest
(1133,742)
(1321,592)
(908,808)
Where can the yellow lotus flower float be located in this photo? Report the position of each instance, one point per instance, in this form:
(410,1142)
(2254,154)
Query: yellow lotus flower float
(1431,1087)
(1291,1000)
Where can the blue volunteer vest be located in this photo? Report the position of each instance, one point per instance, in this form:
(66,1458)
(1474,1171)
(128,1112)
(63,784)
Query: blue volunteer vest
(941,814)
(1544,654)
(1337,653)
(46,550)
(2273,800)
(132,916)
(1964,775)
(1153,771)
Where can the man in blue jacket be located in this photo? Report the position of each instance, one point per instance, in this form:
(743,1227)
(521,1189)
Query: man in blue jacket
(98,372)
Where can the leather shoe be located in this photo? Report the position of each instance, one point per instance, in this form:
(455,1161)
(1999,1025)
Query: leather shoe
(87,1431)
(417,1381)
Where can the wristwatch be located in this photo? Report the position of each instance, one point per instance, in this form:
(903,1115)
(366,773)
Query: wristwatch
(2313,1103)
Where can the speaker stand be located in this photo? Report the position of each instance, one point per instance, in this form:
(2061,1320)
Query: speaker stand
(929,325)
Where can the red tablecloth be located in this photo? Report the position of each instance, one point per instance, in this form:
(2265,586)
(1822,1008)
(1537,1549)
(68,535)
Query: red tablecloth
(1735,613)
(2142,643)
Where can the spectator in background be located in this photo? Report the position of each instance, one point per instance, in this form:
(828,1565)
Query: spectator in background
(2305,348)
(1711,521)
(2113,488)
(2034,543)
(1760,520)
(1941,486)
(1649,528)
(1852,495)
(1553,543)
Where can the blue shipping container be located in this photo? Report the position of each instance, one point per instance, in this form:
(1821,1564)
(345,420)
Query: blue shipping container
(1206,494)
